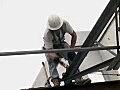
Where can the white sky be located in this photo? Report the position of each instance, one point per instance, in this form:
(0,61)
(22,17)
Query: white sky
(22,23)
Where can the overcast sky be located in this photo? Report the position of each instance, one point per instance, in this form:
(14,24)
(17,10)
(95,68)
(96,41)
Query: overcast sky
(22,23)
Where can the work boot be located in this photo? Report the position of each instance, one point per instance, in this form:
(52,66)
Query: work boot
(56,82)
(84,81)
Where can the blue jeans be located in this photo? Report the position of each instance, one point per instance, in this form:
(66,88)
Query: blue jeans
(54,63)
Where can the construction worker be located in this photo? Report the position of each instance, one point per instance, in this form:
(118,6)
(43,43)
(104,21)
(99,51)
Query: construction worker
(54,38)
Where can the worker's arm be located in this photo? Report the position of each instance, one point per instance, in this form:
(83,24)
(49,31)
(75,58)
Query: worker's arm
(73,39)
(48,45)
(71,31)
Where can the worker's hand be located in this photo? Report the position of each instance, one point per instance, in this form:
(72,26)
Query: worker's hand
(72,46)
(53,56)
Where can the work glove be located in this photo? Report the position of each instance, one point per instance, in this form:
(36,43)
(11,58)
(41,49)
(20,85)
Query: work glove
(53,56)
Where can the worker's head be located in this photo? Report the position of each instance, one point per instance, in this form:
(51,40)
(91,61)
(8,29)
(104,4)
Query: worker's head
(54,22)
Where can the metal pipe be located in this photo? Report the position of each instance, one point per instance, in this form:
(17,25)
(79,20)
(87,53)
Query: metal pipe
(113,53)
(58,50)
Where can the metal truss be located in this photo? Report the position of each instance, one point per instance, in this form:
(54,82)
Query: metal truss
(92,37)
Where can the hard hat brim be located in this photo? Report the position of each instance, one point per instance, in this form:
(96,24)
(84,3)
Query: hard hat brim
(56,28)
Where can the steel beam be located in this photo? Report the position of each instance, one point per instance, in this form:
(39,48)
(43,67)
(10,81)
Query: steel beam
(116,20)
(89,70)
(114,62)
(116,67)
(108,85)
(106,30)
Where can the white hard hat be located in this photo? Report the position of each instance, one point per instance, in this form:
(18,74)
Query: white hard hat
(54,22)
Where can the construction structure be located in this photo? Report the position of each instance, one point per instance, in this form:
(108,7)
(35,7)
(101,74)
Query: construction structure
(103,39)
(103,36)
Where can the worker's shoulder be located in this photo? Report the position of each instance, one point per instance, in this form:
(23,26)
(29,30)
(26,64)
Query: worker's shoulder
(65,21)
(66,24)
(47,32)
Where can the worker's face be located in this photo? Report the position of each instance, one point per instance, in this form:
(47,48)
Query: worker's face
(58,30)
